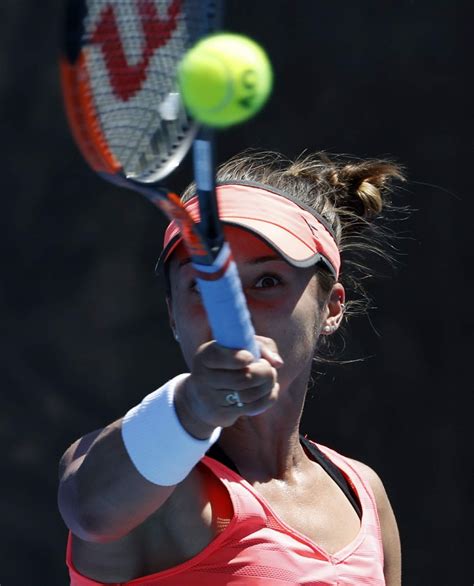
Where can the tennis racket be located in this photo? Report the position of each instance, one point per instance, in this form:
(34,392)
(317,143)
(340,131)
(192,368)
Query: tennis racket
(118,70)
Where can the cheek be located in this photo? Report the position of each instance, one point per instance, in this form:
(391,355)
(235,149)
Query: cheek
(188,311)
(296,342)
(306,326)
(306,322)
(294,327)
(190,318)
(191,324)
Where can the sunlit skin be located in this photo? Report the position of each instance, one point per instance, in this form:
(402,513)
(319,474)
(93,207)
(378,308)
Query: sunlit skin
(158,527)
(288,310)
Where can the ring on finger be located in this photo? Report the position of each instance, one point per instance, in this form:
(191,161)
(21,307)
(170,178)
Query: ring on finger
(233,399)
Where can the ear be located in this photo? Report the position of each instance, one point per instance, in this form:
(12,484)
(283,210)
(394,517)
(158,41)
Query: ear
(334,311)
(172,321)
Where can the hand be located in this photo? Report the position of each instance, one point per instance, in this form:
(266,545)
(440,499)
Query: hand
(216,372)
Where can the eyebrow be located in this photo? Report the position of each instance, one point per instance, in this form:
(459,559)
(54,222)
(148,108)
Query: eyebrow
(253,261)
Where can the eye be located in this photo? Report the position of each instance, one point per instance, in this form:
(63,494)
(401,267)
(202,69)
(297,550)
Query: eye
(267,281)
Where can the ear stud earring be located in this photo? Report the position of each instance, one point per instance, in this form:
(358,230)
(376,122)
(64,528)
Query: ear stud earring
(329,329)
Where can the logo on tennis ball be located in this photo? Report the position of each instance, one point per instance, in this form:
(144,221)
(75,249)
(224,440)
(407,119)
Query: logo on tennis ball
(248,81)
(225,79)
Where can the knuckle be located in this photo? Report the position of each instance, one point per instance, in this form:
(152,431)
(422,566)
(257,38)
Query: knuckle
(207,348)
(262,366)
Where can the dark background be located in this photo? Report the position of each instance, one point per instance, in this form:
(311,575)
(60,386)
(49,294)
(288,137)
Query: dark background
(84,331)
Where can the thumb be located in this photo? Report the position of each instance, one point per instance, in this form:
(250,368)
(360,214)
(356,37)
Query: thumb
(271,356)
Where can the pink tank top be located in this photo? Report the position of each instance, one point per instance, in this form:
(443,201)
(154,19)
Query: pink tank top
(256,548)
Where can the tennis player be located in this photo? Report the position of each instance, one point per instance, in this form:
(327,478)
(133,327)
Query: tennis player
(208,480)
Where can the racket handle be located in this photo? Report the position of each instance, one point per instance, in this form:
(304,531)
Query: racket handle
(225,303)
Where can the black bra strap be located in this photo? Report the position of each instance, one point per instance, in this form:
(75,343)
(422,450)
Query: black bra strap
(334,473)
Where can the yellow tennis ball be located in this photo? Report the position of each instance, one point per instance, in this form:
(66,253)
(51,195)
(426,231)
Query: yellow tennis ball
(225,79)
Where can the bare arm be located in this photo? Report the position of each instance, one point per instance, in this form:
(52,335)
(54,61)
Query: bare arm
(102,496)
(389,528)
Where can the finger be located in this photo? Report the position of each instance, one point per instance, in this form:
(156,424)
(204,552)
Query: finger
(251,376)
(215,356)
(248,397)
(269,351)
(252,390)
(260,404)
(267,343)
(272,357)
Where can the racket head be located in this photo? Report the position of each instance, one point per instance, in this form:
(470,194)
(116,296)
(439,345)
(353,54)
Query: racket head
(118,71)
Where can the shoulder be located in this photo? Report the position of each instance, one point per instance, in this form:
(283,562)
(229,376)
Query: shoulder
(384,508)
(374,480)
(388,523)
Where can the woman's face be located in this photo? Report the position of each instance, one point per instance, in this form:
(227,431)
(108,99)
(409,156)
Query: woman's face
(284,302)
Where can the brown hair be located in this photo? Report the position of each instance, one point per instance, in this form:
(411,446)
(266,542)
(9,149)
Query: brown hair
(352,195)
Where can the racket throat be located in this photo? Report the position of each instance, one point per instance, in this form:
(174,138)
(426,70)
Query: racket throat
(210,227)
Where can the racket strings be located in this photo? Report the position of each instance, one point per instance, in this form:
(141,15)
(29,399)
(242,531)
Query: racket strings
(132,49)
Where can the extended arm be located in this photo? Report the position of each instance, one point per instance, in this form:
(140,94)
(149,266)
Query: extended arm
(111,480)
(102,496)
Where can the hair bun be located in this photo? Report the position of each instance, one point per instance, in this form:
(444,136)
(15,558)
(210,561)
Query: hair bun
(364,187)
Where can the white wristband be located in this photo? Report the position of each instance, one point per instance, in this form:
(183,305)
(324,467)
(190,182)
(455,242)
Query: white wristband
(158,445)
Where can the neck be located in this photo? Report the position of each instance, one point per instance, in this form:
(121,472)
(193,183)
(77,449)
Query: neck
(267,446)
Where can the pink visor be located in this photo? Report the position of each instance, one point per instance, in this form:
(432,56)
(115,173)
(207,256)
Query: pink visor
(293,229)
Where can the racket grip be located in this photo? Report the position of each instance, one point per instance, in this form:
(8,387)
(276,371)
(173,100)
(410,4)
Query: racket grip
(225,304)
